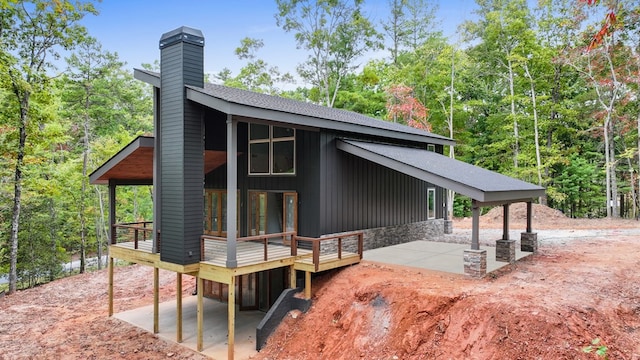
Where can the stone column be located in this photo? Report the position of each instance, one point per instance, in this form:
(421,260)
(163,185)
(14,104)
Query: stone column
(506,250)
(475,263)
(448,226)
(529,242)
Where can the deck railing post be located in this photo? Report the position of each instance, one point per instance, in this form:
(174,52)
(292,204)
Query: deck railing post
(339,248)
(135,238)
(316,253)
(294,245)
(202,248)
(265,241)
(360,244)
(113,234)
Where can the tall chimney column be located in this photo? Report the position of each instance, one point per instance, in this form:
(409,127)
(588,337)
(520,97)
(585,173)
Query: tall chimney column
(181,140)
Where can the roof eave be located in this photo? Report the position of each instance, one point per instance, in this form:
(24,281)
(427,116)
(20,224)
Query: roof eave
(146,76)
(482,196)
(95,178)
(201,97)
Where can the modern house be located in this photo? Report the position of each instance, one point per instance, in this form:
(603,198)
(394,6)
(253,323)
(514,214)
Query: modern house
(251,190)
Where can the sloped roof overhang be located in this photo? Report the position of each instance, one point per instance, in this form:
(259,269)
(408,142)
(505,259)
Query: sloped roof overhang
(248,104)
(484,186)
(133,165)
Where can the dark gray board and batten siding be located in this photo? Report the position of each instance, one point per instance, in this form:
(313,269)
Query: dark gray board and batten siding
(336,191)
(358,194)
(182,158)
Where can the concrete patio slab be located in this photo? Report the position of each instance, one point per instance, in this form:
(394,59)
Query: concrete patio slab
(214,329)
(434,255)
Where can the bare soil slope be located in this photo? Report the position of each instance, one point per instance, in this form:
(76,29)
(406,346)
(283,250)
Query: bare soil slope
(547,307)
(68,319)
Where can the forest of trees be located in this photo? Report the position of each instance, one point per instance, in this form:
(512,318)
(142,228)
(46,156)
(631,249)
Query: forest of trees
(545,92)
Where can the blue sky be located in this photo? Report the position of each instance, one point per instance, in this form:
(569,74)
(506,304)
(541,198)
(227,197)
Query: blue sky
(133,28)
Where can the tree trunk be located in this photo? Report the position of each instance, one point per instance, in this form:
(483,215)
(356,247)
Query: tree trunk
(451,194)
(607,163)
(535,127)
(83,190)
(516,149)
(612,168)
(17,195)
(52,234)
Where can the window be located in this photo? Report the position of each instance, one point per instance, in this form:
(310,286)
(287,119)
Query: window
(271,150)
(431,147)
(431,203)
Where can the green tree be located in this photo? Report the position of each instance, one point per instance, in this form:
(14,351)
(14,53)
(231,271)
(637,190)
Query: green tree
(33,31)
(504,31)
(85,94)
(256,75)
(335,32)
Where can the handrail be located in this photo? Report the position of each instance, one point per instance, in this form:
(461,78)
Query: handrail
(136,227)
(315,244)
(262,238)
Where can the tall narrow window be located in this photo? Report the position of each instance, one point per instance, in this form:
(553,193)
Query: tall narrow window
(271,150)
(431,203)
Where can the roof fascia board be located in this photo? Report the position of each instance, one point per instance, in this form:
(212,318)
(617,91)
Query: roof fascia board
(146,77)
(506,197)
(140,141)
(273,115)
(132,182)
(504,202)
(412,171)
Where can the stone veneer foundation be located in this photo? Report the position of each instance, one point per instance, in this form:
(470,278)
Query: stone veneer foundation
(475,263)
(429,230)
(529,242)
(506,250)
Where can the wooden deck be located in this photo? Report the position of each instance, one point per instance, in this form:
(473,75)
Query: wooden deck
(253,254)
(249,253)
(327,262)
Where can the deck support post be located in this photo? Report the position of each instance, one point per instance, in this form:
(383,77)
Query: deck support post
(307,285)
(232,318)
(200,313)
(178,307)
(292,277)
(156,300)
(110,291)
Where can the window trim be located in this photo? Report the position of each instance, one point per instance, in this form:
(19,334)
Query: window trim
(431,210)
(271,141)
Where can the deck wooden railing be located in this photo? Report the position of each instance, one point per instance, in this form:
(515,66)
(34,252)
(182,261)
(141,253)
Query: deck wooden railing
(315,244)
(134,231)
(264,239)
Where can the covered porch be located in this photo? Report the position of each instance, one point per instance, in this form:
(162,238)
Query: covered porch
(484,187)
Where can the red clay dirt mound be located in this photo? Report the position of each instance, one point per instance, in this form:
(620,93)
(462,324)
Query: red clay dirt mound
(518,211)
(548,307)
(544,217)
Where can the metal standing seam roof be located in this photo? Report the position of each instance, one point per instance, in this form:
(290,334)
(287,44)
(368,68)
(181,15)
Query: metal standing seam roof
(475,182)
(262,106)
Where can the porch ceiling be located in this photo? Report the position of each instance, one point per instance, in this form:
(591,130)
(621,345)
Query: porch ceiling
(134,163)
(484,186)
